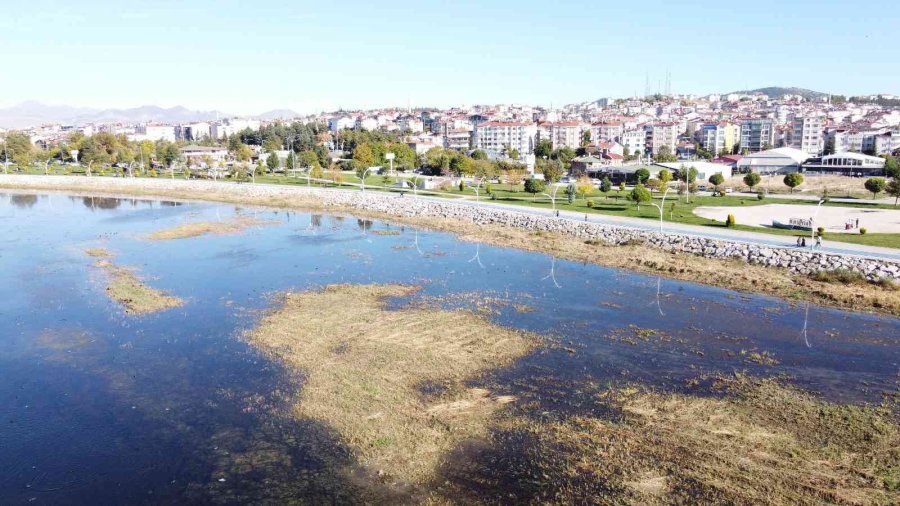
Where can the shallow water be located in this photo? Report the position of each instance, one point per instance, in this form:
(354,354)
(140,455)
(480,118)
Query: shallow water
(97,406)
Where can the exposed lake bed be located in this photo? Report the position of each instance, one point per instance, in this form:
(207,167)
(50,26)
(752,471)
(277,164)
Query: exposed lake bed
(180,404)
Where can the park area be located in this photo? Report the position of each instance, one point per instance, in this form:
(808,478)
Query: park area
(832,218)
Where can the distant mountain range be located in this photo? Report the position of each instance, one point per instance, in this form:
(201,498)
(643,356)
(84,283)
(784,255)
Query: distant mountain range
(28,114)
(780,91)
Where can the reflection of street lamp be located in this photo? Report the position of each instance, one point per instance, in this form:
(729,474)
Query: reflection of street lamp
(477,255)
(552,274)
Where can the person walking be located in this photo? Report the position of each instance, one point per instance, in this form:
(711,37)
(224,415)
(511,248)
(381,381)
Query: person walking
(799,238)
(818,240)
(803,242)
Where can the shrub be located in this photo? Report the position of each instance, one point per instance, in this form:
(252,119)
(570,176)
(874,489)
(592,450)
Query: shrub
(590,203)
(863,231)
(820,231)
(152,172)
(462,186)
(842,276)
(488,189)
(760,196)
(729,222)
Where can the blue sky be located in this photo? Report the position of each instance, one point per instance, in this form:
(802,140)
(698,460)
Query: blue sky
(246,57)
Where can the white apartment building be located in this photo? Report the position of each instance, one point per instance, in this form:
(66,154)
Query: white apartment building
(634,141)
(562,133)
(495,136)
(806,134)
(225,128)
(411,123)
(610,131)
(366,123)
(338,123)
(150,132)
(458,139)
(663,134)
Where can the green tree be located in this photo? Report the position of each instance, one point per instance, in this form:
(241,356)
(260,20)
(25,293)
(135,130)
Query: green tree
(664,177)
(564,154)
(752,179)
(534,186)
(641,175)
(605,186)
(893,189)
(512,153)
(543,148)
(309,160)
(243,153)
(585,138)
(891,166)
(664,155)
(793,180)
(717,179)
(479,154)
(639,194)
(829,146)
(363,157)
(18,148)
(272,162)
(553,171)
(875,185)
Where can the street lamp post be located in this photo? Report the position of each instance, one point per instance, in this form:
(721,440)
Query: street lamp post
(415,185)
(363,179)
(661,207)
(390,158)
(476,188)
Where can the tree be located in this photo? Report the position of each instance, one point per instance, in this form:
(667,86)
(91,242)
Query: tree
(543,149)
(751,179)
(793,180)
(272,162)
(583,186)
(585,138)
(534,186)
(564,154)
(479,154)
(553,171)
(829,146)
(309,160)
(18,147)
(243,153)
(893,189)
(875,185)
(891,166)
(664,177)
(512,153)
(641,175)
(168,152)
(363,157)
(605,186)
(717,179)
(639,194)
(664,155)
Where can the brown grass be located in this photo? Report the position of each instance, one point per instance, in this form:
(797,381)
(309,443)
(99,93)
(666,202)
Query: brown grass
(233,226)
(365,366)
(763,443)
(124,287)
(733,274)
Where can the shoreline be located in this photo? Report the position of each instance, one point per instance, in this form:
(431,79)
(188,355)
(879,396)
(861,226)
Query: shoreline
(616,247)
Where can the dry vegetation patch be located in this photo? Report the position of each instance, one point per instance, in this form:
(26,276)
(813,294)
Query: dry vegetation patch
(762,443)
(366,366)
(233,226)
(124,287)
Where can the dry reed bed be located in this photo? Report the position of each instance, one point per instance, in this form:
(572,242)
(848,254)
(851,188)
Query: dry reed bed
(365,366)
(232,226)
(125,288)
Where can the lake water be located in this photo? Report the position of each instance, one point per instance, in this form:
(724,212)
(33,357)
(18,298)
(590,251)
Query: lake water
(100,407)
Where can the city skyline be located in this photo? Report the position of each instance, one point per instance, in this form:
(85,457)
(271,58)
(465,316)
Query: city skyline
(222,56)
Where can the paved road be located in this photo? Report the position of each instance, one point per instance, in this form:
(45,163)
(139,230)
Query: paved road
(694,230)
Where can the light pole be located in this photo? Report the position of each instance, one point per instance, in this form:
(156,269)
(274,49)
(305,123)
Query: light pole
(390,158)
(88,173)
(552,197)
(812,225)
(415,185)
(363,179)
(661,207)
(476,187)
(47,167)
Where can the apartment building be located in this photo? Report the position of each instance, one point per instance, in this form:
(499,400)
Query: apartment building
(757,134)
(561,133)
(718,137)
(458,139)
(495,136)
(659,135)
(150,132)
(806,134)
(607,131)
(633,141)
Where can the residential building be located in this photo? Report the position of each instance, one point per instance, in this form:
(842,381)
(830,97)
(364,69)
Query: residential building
(200,154)
(410,123)
(561,133)
(495,136)
(633,141)
(718,137)
(151,132)
(806,134)
(757,134)
(338,123)
(610,131)
(460,140)
(661,134)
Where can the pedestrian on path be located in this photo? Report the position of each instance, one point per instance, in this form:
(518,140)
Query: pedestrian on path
(799,238)
(818,241)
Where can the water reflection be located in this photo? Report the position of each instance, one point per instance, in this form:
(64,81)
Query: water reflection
(552,274)
(23,201)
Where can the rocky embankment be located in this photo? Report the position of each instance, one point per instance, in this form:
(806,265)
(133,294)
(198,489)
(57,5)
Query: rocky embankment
(798,261)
